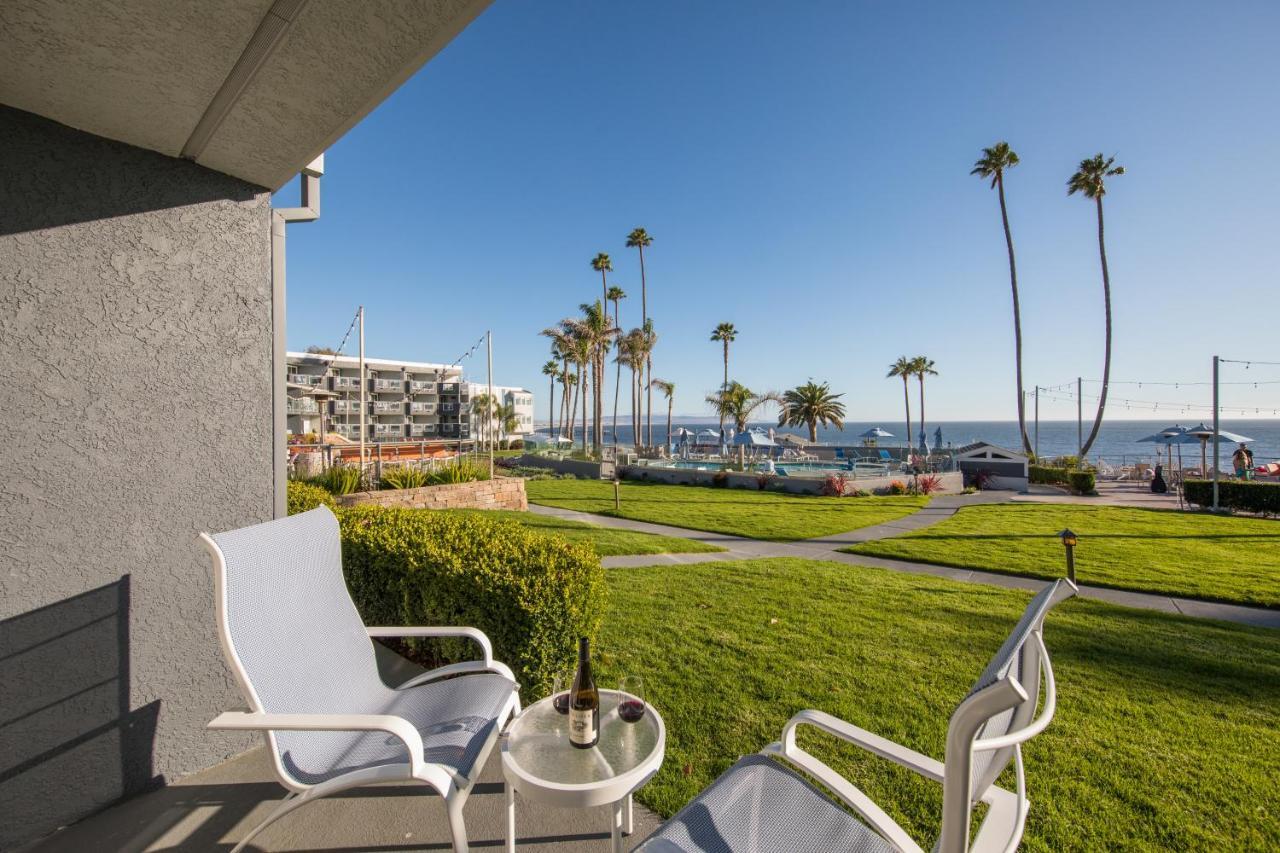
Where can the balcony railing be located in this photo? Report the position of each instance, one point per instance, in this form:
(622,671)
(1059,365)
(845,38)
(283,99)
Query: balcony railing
(387,429)
(345,382)
(387,407)
(420,430)
(448,407)
(448,387)
(421,387)
(311,380)
(422,408)
(302,406)
(388,385)
(346,407)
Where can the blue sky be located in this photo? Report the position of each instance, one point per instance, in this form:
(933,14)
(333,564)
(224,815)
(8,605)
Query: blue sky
(803,169)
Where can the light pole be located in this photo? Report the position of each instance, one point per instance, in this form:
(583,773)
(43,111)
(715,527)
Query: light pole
(1069,542)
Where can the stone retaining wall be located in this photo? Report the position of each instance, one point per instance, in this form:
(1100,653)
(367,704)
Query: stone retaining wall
(498,493)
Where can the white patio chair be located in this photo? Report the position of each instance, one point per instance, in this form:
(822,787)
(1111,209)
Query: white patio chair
(304,662)
(762,805)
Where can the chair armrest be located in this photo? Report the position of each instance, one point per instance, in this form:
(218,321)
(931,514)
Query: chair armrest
(897,753)
(470,633)
(398,726)
(488,664)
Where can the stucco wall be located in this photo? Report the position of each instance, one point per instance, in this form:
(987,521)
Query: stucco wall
(135,334)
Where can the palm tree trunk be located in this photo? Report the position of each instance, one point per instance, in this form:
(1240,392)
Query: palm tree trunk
(726,377)
(635,405)
(564,398)
(920,376)
(646,374)
(573,413)
(584,380)
(1106,364)
(906,398)
(670,403)
(1017,319)
(813,432)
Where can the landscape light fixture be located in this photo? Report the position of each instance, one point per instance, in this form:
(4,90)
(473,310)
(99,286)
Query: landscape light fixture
(1069,542)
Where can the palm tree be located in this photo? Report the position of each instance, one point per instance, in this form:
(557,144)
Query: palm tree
(639,239)
(561,346)
(506,421)
(551,369)
(905,368)
(668,390)
(923,367)
(811,404)
(993,163)
(582,354)
(648,340)
(597,332)
(736,402)
(631,354)
(482,408)
(616,295)
(571,388)
(725,333)
(1090,181)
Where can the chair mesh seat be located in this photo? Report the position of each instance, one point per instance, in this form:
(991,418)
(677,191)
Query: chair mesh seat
(454,718)
(761,806)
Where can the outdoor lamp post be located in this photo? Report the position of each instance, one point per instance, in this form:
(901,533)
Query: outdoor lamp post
(1069,542)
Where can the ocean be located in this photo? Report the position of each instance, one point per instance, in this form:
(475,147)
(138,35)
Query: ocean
(1117,440)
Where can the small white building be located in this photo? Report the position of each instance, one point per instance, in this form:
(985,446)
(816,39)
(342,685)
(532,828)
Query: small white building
(519,399)
(1007,469)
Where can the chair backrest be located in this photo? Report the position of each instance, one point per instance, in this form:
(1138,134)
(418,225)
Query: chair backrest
(886,456)
(286,620)
(1002,702)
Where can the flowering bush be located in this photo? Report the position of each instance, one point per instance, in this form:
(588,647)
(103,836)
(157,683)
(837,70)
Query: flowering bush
(927,484)
(897,487)
(834,485)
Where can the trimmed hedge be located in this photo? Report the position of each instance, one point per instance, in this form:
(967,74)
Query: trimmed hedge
(1082,482)
(1048,475)
(1244,495)
(532,593)
(306,496)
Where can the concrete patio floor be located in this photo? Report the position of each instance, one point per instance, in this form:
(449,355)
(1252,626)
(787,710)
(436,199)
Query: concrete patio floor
(214,809)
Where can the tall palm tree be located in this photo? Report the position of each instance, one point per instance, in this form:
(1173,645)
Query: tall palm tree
(596,330)
(571,405)
(737,402)
(668,390)
(905,368)
(551,369)
(616,295)
(648,340)
(561,347)
(993,163)
(640,239)
(506,421)
(1090,180)
(726,334)
(482,408)
(631,354)
(582,352)
(812,404)
(923,367)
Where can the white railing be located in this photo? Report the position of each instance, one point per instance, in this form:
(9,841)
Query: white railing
(346,382)
(420,387)
(388,385)
(344,407)
(422,408)
(386,407)
(311,380)
(303,406)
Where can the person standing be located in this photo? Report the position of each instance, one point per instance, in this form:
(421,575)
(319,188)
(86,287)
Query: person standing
(1242,461)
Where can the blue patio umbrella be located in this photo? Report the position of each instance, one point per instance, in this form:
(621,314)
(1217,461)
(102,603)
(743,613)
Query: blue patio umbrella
(1169,436)
(1203,434)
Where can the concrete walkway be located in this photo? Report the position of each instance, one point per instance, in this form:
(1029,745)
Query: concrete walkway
(940,509)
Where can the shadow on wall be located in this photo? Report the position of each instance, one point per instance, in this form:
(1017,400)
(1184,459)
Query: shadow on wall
(69,742)
(34,144)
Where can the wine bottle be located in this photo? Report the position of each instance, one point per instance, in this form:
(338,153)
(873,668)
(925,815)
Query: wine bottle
(584,702)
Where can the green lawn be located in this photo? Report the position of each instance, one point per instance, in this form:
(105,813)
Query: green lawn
(1187,554)
(1165,736)
(738,512)
(607,541)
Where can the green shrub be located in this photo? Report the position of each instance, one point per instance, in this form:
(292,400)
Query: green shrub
(305,496)
(1082,482)
(532,593)
(404,477)
(460,470)
(1243,495)
(338,480)
(1048,474)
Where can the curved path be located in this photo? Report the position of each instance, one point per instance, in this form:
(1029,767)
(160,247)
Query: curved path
(939,509)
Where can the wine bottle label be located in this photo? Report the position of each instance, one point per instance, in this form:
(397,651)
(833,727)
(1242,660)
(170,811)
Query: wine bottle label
(582,725)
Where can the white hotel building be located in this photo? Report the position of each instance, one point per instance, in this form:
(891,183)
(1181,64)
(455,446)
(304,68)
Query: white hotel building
(404,400)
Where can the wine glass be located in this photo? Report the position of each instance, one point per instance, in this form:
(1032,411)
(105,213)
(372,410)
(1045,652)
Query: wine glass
(631,704)
(560,686)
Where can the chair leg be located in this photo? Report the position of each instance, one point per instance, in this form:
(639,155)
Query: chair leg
(457,826)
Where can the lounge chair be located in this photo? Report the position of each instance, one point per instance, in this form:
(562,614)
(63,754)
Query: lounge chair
(763,803)
(304,662)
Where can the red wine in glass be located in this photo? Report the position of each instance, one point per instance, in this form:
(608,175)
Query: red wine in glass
(561,703)
(560,690)
(631,702)
(631,710)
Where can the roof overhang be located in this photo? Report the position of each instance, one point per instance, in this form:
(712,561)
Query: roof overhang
(256,89)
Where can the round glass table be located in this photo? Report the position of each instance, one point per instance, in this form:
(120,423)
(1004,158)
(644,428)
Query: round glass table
(540,764)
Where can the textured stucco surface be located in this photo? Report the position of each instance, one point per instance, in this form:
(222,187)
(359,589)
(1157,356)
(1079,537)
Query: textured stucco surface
(135,331)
